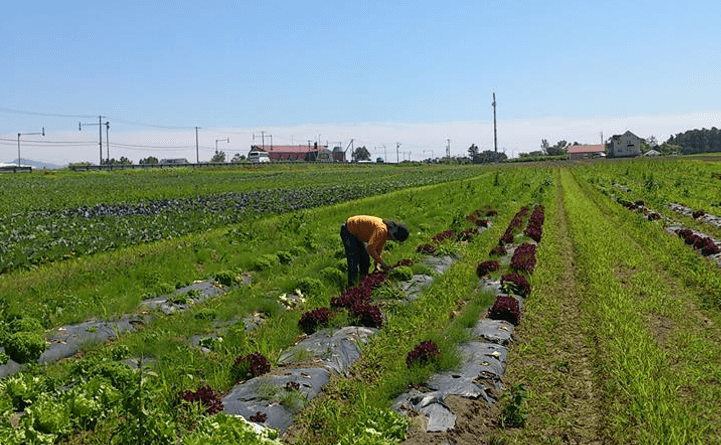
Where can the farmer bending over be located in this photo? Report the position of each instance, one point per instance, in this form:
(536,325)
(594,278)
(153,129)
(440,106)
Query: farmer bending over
(364,237)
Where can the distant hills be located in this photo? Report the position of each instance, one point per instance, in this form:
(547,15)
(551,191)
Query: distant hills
(35,164)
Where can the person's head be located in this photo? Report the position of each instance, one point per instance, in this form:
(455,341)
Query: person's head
(398,232)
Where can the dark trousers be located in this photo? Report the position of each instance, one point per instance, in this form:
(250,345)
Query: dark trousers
(355,252)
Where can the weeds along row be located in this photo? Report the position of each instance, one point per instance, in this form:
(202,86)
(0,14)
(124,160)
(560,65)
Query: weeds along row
(53,219)
(692,259)
(660,184)
(638,291)
(132,387)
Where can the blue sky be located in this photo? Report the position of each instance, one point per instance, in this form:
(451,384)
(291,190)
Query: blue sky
(345,69)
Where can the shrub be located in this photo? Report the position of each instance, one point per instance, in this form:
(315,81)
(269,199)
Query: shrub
(310,321)
(486,267)
(333,275)
(401,273)
(205,396)
(249,366)
(24,347)
(514,413)
(517,284)
(285,257)
(524,258)
(366,315)
(310,287)
(505,308)
(342,265)
(423,353)
(265,262)
(4,358)
(297,251)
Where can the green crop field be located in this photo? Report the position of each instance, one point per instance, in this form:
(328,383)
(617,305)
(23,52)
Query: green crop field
(145,307)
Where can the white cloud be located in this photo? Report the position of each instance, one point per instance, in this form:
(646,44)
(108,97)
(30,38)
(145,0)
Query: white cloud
(421,140)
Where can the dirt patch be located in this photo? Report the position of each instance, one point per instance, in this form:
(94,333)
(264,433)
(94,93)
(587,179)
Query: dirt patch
(660,328)
(475,424)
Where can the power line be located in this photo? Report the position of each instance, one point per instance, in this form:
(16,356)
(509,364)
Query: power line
(36,113)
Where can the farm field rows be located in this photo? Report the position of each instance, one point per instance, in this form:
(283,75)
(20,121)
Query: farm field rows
(618,340)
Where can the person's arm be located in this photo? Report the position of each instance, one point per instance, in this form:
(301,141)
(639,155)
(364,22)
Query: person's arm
(375,248)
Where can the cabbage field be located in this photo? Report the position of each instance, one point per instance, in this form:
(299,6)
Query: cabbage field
(558,303)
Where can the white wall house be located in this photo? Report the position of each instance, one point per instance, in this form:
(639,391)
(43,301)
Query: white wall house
(625,145)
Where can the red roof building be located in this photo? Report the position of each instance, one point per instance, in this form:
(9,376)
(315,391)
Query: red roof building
(585,151)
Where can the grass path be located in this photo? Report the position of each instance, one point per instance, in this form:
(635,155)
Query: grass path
(658,365)
(551,354)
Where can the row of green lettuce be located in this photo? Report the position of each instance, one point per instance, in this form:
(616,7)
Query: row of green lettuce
(48,219)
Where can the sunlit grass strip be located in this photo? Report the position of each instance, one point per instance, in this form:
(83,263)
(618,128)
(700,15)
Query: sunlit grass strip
(621,289)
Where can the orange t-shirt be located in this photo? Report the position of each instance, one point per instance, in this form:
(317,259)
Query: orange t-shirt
(372,231)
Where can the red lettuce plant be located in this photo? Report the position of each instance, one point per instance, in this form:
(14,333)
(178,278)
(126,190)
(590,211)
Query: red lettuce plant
(366,315)
(424,352)
(426,248)
(709,247)
(524,258)
(491,212)
(486,267)
(249,366)
(209,399)
(653,216)
(684,233)
(534,232)
(444,235)
(505,308)
(498,251)
(310,321)
(405,262)
(517,284)
(467,234)
(698,213)
(259,417)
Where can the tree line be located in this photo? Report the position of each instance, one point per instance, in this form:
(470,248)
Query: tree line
(697,141)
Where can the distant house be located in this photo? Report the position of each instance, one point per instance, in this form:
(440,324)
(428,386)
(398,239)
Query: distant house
(174,161)
(652,153)
(624,145)
(585,151)
(301,153)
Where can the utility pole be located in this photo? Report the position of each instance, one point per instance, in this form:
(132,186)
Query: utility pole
(107,140)
(197,153)
(216,143)
(26,134)
(100,132)
(398,145)
(495,137)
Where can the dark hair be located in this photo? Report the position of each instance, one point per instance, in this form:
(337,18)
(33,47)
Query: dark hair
(399,232)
